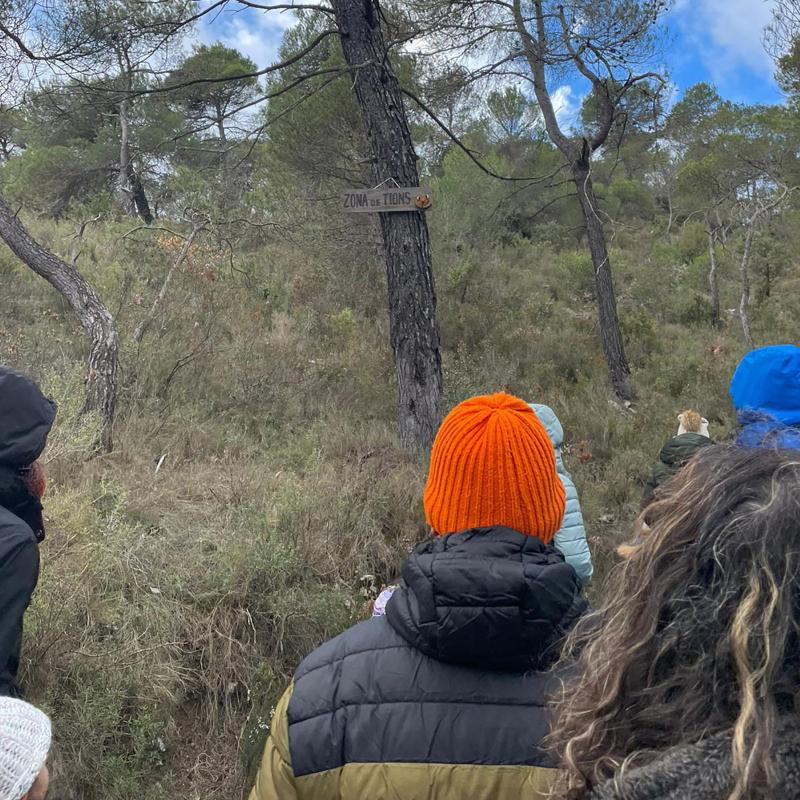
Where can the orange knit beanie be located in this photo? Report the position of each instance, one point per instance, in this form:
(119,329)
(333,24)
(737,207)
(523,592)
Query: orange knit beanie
(493,464)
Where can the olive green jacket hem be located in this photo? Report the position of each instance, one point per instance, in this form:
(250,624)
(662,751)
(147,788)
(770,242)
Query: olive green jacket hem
(390,781)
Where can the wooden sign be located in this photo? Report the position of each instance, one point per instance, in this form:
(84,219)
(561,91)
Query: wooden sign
(387,198)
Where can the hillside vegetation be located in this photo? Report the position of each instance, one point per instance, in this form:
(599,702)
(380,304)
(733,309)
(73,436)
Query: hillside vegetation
(257,495)
(174,605)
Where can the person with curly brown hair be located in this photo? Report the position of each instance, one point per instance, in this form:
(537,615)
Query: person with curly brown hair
(687,684)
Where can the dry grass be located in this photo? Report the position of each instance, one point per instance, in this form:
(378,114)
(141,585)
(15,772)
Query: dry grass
(174,605)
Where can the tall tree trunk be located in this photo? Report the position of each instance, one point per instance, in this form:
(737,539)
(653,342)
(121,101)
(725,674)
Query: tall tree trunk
(140,201)
(412,300)
(713,278)
(610,332)
(671,220)
(760,210)
(95,318)
(232,184)
(722,230)
(123,190)
(744,302)
(578,154)
(128,189)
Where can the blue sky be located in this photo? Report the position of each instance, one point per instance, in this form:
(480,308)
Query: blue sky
(255,33)
(719,41)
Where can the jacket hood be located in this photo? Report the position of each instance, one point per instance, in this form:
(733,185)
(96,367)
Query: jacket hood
(761,430)
(679,449)
(491,598)
(702,771)
(551,423)
(767,381)
(26,417)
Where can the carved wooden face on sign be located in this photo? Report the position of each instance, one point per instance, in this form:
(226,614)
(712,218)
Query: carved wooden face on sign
(422,201)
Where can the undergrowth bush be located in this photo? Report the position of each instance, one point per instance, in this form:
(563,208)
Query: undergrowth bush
(257,497)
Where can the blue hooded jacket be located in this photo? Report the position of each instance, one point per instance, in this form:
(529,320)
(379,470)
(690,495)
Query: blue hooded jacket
(571,536)
(765,390)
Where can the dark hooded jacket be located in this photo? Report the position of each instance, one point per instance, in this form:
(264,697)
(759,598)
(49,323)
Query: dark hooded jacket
(443,698)
(702,771)
(26,417)
(674,455)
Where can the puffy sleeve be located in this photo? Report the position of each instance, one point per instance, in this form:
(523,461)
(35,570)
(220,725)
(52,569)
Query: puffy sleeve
(571,537)
(19,573)
(275,779)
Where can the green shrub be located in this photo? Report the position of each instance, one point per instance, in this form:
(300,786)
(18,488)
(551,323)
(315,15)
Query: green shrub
(576,269)
(175,604)
(689,307)
(693,241)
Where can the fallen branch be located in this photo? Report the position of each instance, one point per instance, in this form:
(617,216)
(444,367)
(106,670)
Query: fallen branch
(78,236)
(142,327)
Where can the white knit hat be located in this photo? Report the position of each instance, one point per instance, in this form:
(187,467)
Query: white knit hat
(24,744)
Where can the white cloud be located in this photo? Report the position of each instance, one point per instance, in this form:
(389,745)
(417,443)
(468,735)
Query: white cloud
(567,104)
(256,34)
(726,35)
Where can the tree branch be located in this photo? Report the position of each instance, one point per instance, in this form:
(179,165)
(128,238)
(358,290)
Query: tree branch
(470,154)
(230,78)
(142,327)
(535,56)
(20,44)
(286,6)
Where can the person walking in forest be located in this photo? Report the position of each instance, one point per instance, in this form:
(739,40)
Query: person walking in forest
(26,417)
(444,695)
(25,735)
(571,536)
(765,390)
(686,681)
(692,436)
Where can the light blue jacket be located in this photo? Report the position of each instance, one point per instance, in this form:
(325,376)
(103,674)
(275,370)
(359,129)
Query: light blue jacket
(571,537)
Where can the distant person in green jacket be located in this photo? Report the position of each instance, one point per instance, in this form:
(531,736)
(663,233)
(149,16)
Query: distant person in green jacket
(692,436)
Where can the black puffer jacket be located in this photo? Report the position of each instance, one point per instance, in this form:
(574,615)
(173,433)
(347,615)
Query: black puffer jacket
(491,599)
(26,416)
(441,698)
